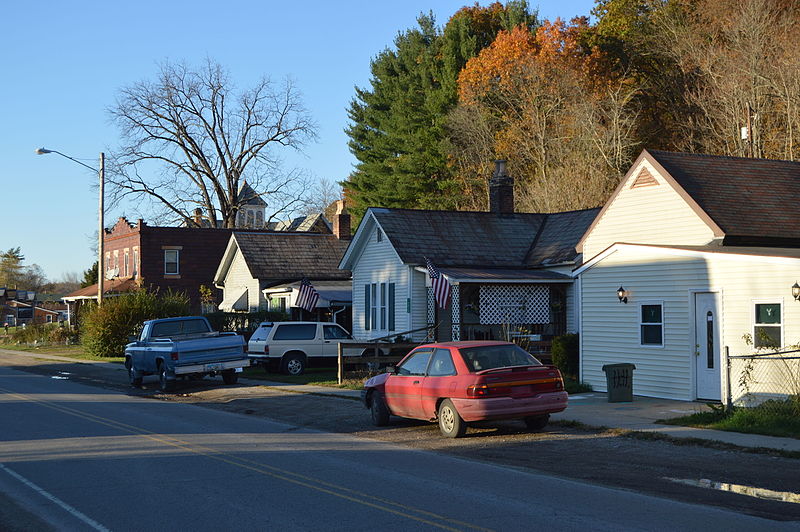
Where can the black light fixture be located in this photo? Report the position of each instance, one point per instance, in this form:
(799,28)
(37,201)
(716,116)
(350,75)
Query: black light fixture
(796,291)
(623,295)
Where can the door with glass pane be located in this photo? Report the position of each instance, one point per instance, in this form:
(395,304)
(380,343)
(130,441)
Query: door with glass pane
(707,348)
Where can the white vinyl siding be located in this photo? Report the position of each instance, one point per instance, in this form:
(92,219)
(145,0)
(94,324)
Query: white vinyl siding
(378,263)
(610,331)
(647,215)
(239,277)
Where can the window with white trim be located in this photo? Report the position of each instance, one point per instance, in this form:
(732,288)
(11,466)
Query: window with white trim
(651,323)
(135,261)
(171,261)
(767,325)
(126,265)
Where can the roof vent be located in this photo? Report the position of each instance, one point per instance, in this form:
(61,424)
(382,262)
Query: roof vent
(644,179)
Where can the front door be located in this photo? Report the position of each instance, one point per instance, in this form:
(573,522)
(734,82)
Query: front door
(707,350)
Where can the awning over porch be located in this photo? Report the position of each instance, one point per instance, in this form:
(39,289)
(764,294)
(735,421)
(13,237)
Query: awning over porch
(235,299)
(501,275)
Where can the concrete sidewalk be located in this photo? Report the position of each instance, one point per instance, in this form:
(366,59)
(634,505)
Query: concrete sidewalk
(594,410)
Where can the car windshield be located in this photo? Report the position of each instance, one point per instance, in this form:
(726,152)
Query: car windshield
(496,356)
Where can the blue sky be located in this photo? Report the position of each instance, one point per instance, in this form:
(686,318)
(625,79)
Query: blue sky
(63,63)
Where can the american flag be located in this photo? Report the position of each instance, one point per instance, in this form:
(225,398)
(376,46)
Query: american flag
(307,296)
(441,288)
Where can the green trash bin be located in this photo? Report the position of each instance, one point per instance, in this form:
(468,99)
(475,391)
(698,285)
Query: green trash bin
(619,381)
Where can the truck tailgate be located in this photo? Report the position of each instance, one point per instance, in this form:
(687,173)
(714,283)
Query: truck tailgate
(213,349)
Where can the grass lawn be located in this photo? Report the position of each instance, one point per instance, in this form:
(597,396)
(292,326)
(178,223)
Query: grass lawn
(780,419)
(72,351)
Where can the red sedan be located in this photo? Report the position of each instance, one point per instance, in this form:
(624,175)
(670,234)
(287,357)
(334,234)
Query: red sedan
(455,383)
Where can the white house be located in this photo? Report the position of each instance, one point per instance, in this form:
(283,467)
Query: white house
(510,273)
(263,270)
(704,252)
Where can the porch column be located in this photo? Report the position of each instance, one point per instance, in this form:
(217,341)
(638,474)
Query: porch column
(431,314)
(455,304)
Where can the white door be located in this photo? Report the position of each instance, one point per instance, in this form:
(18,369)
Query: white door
(707,350)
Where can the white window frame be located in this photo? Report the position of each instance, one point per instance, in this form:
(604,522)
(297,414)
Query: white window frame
(753,324)
(659,302)
(374,305)
(135,261)
(126,268)
(177,261)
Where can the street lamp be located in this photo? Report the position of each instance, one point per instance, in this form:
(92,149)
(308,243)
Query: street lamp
(100,228)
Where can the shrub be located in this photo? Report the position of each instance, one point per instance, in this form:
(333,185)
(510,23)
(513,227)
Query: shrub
(565,354)
(105,329)
(242,321)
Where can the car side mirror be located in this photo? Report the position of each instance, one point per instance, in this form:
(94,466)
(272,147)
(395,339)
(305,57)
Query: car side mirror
(132,339)
(391,369)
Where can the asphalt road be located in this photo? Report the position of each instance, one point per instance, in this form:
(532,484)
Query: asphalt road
(94,457)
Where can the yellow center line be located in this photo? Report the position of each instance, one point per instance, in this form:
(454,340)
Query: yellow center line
(313,483)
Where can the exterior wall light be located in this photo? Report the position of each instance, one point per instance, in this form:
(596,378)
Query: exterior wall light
(796,291)
(623,295)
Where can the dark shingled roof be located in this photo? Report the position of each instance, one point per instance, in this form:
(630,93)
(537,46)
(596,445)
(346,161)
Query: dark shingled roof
(751,200)
(484,239)
(287,255)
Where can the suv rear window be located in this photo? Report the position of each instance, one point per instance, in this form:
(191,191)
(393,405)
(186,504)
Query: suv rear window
(497,356)
(262,332)
(300,331)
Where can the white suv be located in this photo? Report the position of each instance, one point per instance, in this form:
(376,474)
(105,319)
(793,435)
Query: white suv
(293,345)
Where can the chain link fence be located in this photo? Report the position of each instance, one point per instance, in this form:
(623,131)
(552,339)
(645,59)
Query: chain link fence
(766,381)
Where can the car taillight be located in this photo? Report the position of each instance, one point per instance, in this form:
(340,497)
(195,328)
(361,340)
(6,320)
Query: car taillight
(483,390)
(174,355)
(266,349)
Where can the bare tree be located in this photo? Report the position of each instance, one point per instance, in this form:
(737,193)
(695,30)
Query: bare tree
(190,140)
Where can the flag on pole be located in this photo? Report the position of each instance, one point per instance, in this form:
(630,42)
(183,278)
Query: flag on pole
(441,288)
(307,296)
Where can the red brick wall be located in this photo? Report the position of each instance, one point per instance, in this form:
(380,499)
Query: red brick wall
(200,252)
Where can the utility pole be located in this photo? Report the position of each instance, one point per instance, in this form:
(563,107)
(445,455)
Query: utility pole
(101,234)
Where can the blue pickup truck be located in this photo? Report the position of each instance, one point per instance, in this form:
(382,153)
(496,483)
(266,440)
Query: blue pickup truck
(184,347)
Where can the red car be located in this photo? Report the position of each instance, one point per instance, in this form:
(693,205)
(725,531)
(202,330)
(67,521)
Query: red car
(455,383)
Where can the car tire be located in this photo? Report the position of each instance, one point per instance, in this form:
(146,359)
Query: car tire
(164,383)
(132,378)
(229,376)
(537,422)
(450,423)
(294,364)
(378,410)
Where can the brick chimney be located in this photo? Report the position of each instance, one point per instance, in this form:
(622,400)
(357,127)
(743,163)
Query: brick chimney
(501,190)
(198,217)
(341,222)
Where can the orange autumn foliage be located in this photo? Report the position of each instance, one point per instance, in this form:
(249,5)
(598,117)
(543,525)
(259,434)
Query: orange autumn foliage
(556,45)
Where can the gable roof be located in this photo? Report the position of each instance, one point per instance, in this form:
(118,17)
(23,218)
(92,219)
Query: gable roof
(482,239)
(247,196)
(283,256)
(312,222)
(745,197)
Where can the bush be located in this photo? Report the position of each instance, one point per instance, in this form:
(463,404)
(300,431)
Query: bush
(43,333)
(105,329)
(242,321)
(565,354)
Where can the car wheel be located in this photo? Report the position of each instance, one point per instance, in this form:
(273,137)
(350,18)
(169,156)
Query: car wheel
(132,378)
(537,422)
(294,365)
(450,423)
(229,376)
(378,410)
(164,384)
